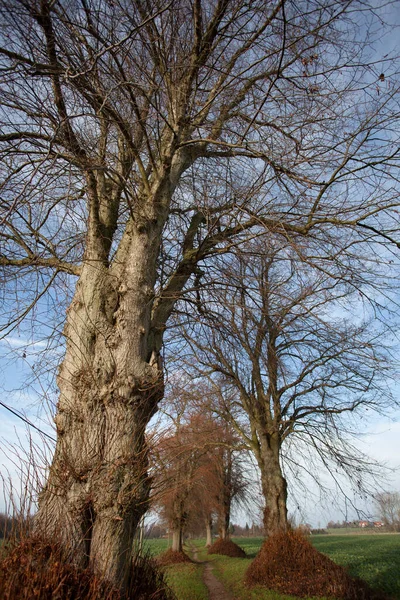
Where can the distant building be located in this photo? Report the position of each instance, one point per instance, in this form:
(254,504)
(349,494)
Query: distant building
(379,524)
(364,524)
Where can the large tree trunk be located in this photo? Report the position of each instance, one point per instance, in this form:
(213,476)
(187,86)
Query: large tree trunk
(110,383)
(273,483)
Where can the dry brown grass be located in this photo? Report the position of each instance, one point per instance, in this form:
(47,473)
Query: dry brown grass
(289,564)
(227,548)
(36,569)
(172,557)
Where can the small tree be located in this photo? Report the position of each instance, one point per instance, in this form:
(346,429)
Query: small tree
(388,505)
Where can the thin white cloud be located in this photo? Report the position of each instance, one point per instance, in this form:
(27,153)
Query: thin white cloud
(15,342)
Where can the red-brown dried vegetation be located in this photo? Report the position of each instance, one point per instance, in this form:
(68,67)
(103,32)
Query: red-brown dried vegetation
(227,548)
(37,569)
(289,564)
(172,557)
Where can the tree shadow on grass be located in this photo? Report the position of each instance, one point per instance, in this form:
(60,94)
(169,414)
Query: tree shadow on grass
(382,573)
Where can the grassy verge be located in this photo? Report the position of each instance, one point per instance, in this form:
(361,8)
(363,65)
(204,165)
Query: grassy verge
(186,581)
(231,571)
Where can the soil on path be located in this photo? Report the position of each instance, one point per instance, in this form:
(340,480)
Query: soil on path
(216,589)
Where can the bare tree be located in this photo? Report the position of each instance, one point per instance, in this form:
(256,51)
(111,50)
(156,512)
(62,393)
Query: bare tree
(388,505)
(286,364)
(137,139)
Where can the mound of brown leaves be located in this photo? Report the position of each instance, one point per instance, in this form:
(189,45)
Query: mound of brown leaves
(37,569)
(289,564)
(227,548)
(172,557)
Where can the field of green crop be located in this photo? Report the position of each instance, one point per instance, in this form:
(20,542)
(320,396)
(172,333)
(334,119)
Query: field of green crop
(155,547)
(374,558)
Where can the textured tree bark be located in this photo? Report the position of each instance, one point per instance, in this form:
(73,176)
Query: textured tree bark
(179,519)
(224,526)
(226,497)
(208,523)
(177,539)
(110,383)
(274,487)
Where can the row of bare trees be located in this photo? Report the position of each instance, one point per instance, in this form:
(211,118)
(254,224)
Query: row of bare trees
(198,467)
(142,144)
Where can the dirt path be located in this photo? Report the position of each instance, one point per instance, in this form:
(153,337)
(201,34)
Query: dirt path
(216,589)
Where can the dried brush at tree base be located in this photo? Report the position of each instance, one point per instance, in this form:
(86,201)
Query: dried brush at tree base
(147,581)
(172,557)
(289,564)
(36,569)
(227,548)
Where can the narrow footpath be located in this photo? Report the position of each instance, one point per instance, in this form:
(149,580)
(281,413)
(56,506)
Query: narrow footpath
(216,589)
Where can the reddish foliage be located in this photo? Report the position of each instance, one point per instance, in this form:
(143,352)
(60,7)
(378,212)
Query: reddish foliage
(172,557)
(37,569)
(289,564)
(227,548)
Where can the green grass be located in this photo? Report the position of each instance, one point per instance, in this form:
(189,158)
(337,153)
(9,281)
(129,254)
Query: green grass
(375,558)
(156,547)
(250,545)
(231,572)
(186,581)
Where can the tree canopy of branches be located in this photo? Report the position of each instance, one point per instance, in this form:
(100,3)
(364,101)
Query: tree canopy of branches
(273,341)
(137,138)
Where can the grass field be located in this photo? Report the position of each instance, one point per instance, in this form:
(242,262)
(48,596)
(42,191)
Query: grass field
(375,558)
(155,547)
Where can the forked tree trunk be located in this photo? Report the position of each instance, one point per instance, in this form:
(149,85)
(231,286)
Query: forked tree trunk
(110,383)
(273,484)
